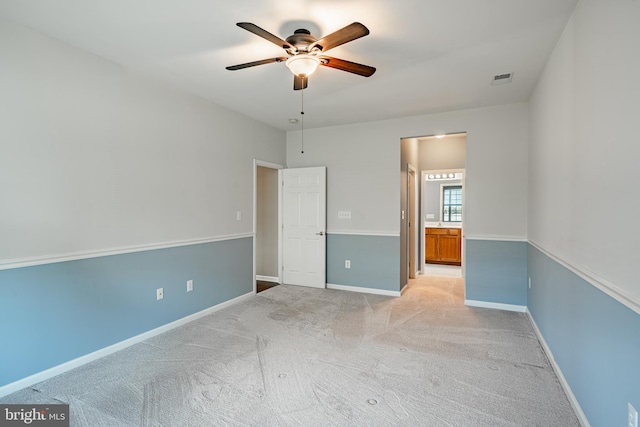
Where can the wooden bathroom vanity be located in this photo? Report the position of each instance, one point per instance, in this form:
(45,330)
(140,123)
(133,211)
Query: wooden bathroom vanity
(443,245)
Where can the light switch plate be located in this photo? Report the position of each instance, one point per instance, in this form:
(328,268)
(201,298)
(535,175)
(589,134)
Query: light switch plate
(344,214)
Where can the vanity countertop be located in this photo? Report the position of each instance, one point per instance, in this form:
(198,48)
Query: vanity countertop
(442,225)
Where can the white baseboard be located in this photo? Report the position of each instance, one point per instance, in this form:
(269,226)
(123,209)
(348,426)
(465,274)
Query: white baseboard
(495,305)
(268,278)
(563,381)
(364,290)
(87,358)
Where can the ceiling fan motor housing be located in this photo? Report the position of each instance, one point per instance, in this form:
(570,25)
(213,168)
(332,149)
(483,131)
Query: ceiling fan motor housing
(301,40)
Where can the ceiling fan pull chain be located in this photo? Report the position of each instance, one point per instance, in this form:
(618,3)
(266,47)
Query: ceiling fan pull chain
(302,117)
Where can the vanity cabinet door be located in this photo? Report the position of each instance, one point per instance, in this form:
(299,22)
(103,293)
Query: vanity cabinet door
(431,252)
(449,249)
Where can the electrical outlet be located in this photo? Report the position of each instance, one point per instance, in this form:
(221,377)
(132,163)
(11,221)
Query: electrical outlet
(189,285)
(239,216)
(529,282)
(347,263)
(159,293)
(633,416)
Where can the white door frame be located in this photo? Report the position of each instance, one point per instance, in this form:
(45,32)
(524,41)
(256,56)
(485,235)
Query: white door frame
(413,252)
(269,165)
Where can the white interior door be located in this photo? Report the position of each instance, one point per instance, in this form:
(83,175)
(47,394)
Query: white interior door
(304,194)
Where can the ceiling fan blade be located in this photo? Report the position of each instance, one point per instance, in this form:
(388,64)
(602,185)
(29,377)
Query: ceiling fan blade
(254,63)
(352,67)
(346,34)
(300,82)
(253,28)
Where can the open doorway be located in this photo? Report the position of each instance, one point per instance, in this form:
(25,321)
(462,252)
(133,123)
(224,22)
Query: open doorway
(408,231)
(266,209)
(431,240)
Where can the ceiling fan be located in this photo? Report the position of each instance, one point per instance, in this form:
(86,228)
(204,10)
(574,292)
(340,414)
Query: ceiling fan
(305,52)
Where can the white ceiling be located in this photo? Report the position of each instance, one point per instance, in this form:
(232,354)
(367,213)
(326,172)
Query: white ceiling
(431,55)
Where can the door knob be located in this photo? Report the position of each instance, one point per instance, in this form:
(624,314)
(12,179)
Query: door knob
(320,233)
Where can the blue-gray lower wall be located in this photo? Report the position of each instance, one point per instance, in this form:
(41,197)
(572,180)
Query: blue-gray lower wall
(54,313)
(594,339)
(374,261)
(496,271)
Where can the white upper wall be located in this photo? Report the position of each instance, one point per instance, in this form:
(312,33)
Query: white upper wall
(443,153)
(94,158)
(585,145)
(363,168)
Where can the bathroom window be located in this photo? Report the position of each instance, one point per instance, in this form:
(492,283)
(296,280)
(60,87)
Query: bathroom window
(452,203)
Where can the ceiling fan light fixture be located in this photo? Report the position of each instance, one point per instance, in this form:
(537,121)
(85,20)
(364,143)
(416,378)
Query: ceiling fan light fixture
(303,65)
(305,52)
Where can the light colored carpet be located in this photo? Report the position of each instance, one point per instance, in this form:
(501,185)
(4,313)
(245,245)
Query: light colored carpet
(294,356)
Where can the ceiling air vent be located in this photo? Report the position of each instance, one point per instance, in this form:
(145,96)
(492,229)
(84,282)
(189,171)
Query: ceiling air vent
(501,79)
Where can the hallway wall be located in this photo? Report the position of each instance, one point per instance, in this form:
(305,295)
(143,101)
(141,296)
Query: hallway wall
(583,232)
